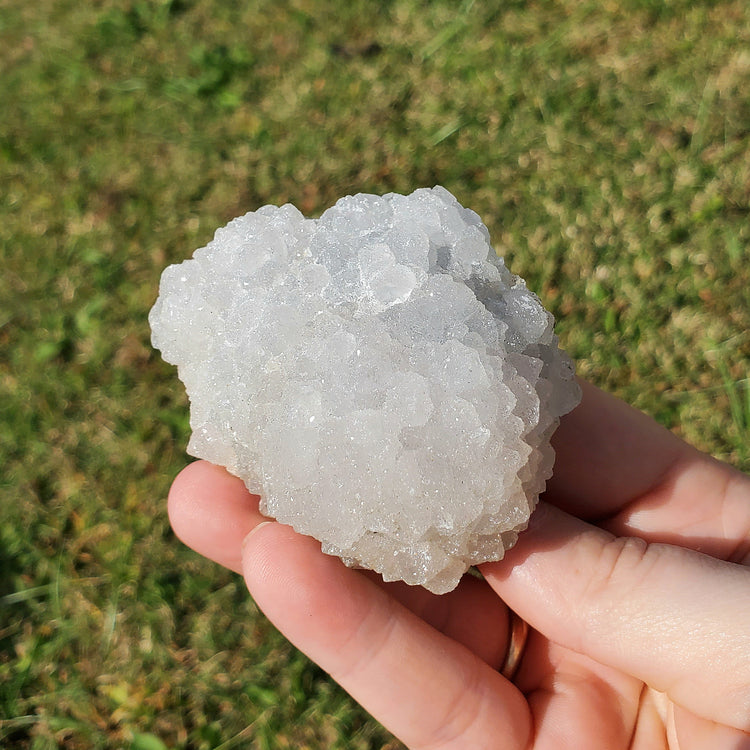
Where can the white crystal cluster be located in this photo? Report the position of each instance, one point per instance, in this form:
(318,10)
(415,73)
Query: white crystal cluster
(377,376)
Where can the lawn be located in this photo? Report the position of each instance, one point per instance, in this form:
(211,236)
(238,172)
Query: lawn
(606,145)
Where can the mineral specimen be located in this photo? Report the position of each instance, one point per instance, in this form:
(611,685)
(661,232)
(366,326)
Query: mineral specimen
(377,376)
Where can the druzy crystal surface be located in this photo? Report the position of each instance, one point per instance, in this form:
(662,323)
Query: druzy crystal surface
(377,376)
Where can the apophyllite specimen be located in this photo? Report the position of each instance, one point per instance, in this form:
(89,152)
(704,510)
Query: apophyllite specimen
(377,376)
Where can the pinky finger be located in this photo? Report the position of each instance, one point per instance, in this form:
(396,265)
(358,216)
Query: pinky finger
(430,691)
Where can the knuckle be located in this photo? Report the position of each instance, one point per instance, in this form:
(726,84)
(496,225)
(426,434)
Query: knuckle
(622,565)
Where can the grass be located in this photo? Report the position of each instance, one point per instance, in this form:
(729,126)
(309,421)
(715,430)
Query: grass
(607,146)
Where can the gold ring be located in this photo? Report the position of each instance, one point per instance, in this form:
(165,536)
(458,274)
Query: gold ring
(518,629)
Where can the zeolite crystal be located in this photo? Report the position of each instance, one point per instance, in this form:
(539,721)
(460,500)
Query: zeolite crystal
(377,376)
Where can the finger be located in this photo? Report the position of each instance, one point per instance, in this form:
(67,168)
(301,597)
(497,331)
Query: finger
(617,467)
(651,721)
(211,511)
(427,689)
(472,614)
(703,505)
(577,702)
(608,454)
(690,732)
(669,616)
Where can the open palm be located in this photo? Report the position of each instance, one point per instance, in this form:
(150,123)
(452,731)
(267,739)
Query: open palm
(633,573)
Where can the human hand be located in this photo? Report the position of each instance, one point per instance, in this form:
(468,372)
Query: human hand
(634,574)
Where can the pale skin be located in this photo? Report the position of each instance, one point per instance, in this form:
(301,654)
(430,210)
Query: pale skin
(634,575)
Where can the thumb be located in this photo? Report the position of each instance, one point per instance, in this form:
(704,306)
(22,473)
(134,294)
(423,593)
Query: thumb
(672,617)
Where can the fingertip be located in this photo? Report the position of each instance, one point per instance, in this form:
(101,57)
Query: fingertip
(185,497)
(211,511)
(252,548)
(280,565)
(254,533)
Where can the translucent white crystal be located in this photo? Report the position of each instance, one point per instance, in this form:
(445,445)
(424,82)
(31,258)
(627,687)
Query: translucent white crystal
(377,376)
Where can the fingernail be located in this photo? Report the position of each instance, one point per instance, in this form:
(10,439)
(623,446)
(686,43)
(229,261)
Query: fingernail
(253,531)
